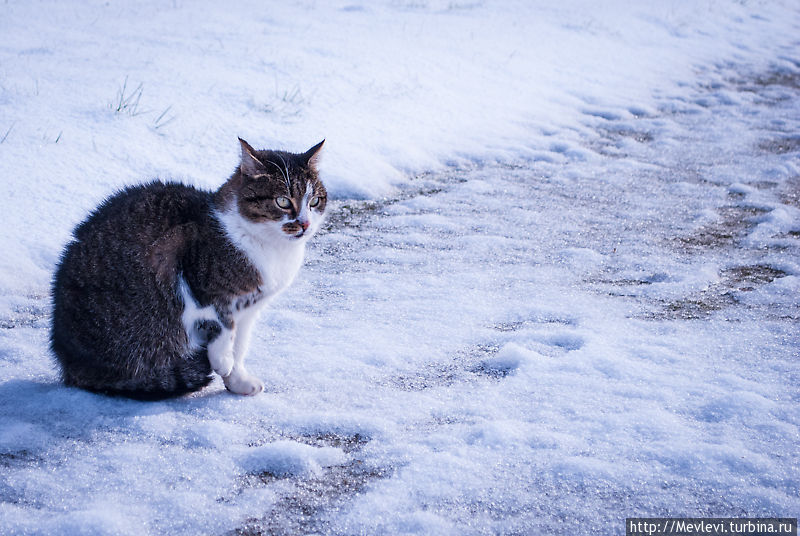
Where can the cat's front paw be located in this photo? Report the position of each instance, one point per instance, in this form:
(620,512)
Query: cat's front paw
(243,384)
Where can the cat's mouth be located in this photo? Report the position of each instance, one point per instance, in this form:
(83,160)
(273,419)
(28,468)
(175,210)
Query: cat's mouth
(292,234)
(296,231)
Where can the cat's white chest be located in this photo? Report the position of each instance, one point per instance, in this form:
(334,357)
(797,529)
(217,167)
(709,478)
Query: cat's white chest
(277,266)
(277,260)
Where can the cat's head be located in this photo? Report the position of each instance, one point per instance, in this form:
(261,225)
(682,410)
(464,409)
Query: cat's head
(278,191)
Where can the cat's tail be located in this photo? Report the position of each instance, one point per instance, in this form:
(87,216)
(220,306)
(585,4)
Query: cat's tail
(184,375)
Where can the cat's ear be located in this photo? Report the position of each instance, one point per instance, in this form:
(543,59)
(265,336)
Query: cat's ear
(250,164)
(311,156)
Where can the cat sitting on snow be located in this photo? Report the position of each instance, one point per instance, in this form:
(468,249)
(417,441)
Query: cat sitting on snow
(163,282)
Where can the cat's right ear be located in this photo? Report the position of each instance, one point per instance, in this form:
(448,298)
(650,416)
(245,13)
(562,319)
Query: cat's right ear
(250,164)
(311,156)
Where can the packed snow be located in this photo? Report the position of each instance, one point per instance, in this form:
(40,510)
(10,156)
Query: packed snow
(559,284)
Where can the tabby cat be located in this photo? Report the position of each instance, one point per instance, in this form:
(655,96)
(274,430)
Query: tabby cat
(163,282)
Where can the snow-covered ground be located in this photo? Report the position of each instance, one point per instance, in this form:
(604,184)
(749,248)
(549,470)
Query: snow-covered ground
(559,286)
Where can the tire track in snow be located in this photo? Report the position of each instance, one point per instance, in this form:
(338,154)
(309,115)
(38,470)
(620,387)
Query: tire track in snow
(604,205)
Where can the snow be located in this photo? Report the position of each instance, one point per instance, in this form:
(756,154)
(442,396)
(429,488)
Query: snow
(558,287)
(289,458)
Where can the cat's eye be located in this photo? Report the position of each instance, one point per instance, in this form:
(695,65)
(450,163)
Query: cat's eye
(283,202)
(314,201)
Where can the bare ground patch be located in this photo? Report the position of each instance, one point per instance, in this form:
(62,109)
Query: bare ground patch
(781,145)
(304,500)
(302,511)
(733,224)
(719,296)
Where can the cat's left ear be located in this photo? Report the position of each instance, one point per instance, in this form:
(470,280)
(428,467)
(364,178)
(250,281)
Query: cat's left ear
(311,156)
(250,164)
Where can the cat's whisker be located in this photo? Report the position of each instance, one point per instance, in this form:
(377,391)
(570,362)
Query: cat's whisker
(284,175)
(286,167)
(280,169)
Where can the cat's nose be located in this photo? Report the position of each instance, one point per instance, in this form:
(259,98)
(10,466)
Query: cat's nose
(304,224)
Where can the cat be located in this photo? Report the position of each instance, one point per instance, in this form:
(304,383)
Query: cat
(162,283)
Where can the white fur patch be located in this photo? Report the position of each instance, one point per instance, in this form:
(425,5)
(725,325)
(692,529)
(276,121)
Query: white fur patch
(192,312)
(276,255)
(305,211)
